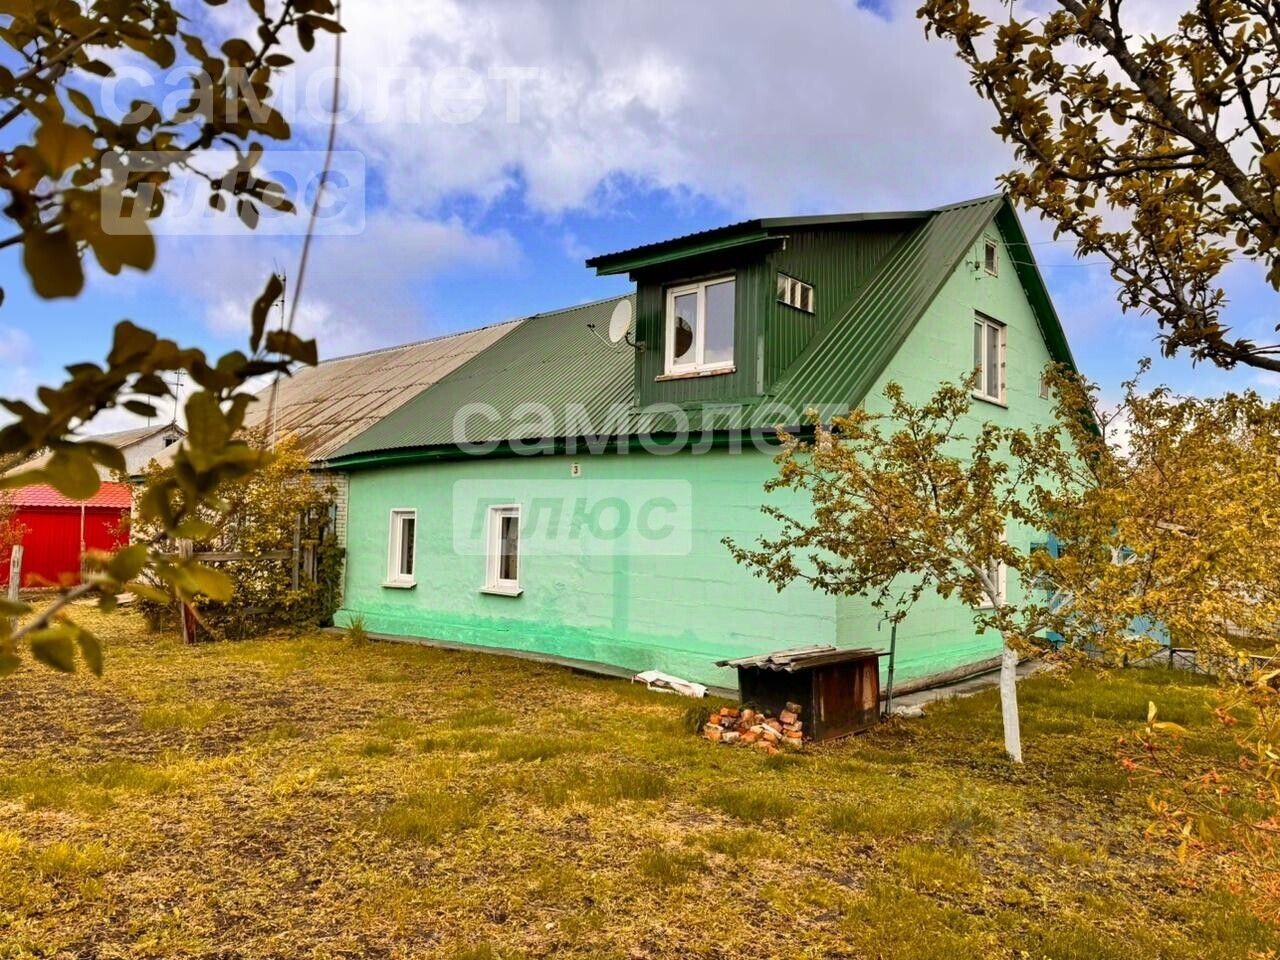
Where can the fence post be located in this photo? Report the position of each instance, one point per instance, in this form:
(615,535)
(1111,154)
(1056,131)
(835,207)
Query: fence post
(297,549)
(185,549)
(15,571)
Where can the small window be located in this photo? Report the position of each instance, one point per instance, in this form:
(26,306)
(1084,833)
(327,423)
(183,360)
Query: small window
(504,551)
(400,559)
(989,347)
(795,293)
(700,320)
(991,256)
(1045,389)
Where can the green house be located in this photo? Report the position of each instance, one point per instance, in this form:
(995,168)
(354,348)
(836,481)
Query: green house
(564,492)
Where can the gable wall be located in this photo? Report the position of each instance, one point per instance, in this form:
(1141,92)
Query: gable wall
(939,634)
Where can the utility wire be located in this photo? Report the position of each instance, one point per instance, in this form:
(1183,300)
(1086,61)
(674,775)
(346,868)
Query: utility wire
(315,207)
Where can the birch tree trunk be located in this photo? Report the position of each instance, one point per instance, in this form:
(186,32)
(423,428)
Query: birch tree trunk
(1009,703)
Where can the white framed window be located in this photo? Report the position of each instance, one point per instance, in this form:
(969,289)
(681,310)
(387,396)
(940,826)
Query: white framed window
(1046,388)
(795,293)
(990,343)
(503,553)
(401,541)
(991,256)
(700,319)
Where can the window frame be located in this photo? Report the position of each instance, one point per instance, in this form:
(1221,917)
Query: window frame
(987,324)
(698,366)
(493,582)
(396,578)
(989,244)
(791,289)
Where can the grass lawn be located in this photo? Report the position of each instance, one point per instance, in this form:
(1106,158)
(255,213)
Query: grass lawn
(312,798)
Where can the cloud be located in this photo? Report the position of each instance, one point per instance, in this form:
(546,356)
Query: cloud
(753,103)
(361,291)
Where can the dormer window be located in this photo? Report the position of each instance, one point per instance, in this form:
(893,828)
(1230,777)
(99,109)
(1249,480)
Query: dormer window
(699,328)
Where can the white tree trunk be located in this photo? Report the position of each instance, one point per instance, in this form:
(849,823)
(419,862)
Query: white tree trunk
(1009,703)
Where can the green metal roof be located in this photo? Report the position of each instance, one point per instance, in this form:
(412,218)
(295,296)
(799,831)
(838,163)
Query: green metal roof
(554,377)
(724,238)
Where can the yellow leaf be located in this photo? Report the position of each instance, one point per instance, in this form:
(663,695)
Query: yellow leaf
(1151,711)
(72,473)
(62,146)
(52,262)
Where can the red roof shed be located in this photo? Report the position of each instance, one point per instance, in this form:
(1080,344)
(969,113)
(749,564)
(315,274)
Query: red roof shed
(58,530)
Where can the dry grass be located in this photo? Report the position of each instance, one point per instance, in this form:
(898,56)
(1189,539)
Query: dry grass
(319,798)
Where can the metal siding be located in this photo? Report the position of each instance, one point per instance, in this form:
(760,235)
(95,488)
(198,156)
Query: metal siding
(835,262)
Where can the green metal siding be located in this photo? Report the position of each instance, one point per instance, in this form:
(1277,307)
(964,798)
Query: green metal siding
(835,262)
(750,325)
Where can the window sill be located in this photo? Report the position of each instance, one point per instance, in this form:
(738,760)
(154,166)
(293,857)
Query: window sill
(695,374)
(501,591)
(991,400)
(399,584)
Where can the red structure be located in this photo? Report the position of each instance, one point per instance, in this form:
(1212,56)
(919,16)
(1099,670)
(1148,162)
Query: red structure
(59,530)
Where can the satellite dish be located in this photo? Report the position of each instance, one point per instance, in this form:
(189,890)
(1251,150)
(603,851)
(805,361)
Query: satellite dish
(620,322)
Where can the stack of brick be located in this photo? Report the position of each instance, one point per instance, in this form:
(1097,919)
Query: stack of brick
(749,728)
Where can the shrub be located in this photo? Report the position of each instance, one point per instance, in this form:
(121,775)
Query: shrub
(279,508)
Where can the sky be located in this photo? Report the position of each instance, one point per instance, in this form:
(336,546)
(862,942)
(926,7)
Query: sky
(488,147)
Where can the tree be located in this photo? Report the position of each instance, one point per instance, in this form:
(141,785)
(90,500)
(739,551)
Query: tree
(72,163)
(924,497)
(269,512)
(1160,153)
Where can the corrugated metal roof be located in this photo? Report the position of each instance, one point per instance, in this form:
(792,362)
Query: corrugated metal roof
(802,658)
(552,377)
(744,231)
(552,359)
(114,495)
(846,358)
(327,405)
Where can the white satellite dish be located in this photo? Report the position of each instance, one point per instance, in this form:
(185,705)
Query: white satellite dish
(620,322)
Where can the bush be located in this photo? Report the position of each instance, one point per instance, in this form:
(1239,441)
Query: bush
(279,508)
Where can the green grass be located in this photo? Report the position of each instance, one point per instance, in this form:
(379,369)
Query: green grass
(317,797)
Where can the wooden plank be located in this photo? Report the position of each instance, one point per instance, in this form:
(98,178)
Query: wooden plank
(227,556)
(15,571)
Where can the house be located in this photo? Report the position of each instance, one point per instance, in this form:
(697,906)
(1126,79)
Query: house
(327,405)
(139,445)
(564,492)
(56,530)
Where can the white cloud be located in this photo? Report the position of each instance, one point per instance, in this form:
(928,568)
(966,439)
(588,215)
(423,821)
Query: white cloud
(360,291)
(751,102)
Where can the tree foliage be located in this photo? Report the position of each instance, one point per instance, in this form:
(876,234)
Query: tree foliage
(1158,516)
(1159,152)
(80,178)
(925,497)
(274,510)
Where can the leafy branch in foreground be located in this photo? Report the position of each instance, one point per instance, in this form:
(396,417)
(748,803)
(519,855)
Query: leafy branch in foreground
(87,174)
(212,455)
(1157,151)
(1098,531)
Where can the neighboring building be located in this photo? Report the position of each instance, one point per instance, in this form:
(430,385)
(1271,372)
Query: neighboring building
(526,500)
(58,530)
(140,446)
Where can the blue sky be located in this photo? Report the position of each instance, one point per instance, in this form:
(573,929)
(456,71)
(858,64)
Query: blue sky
(504,141)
